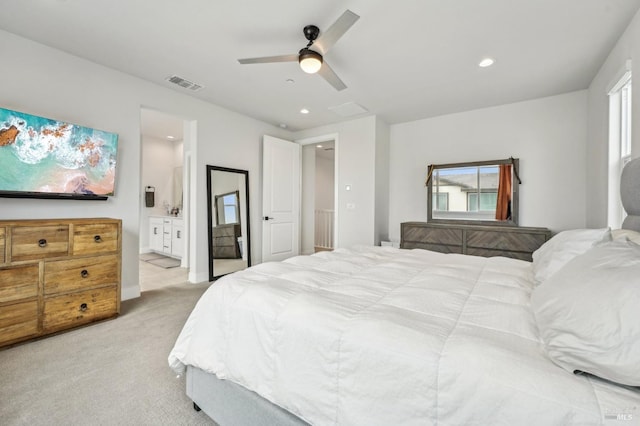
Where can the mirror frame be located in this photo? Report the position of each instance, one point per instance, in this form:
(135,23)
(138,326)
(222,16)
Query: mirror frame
(211,200)
(515,190)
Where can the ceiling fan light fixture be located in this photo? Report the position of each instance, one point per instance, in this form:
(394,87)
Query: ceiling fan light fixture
(310,61)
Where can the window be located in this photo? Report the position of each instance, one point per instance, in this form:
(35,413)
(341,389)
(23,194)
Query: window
(226,206)
(480,191)
(230,208)
(619,144)
(441,201)
(488,201)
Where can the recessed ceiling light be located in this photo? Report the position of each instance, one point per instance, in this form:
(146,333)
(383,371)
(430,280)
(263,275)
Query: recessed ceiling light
(170,137)
(304,111)
(318,146)
(486,62)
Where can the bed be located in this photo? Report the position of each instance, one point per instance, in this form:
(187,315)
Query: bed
(378,335)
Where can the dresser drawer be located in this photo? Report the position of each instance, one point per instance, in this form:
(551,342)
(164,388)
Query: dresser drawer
(37,242)
(511,241)
(95,238)
(18,321)
(225,241)
(224,231)
(19,282)
(74,309)
(77,274)
(433,235)
(3,240)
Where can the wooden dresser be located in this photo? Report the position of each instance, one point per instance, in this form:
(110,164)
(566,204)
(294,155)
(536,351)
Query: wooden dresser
(57,274)
(518,242)
(225,241)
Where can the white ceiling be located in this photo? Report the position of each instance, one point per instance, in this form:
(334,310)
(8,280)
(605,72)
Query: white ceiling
(403,60)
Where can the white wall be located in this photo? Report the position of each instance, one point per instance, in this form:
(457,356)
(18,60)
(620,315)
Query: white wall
(627,47)
(53,84)
(548,135)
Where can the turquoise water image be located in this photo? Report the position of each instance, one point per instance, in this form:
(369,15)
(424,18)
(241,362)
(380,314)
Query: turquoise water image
(38,154)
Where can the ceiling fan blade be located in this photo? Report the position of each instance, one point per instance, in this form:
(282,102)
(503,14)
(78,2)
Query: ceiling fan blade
(332,78)
(329,37)
(268,59)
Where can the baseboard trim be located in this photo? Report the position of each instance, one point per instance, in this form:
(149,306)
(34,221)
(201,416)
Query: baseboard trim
(195,278)
(127,293)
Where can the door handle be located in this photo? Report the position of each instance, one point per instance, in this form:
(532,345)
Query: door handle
(268,218)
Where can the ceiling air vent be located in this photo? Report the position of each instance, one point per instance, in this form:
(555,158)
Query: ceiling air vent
(184,83)
(349,109)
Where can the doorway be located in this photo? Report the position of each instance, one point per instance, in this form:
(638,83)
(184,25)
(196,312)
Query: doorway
(318,196)
(163,231)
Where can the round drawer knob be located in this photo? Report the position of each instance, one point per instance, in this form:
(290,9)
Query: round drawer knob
(97,239)
(83,307)
(42,242)
(84,273)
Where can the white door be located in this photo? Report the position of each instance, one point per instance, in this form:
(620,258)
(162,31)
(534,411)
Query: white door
(280,199)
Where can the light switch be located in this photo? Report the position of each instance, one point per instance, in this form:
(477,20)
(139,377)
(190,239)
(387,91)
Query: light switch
(347,187)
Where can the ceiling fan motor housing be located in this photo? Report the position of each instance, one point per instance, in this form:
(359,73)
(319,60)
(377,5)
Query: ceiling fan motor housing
(311,32)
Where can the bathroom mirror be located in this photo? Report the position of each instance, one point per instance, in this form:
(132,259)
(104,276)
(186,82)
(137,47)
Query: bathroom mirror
(228,220)
(480,192)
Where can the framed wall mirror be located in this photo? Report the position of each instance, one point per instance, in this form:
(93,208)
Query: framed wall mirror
(480,192)
(228,220)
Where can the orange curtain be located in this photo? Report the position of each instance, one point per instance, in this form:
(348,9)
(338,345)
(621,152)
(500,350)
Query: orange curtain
(503,205)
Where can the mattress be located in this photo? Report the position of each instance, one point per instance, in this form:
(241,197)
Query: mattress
(379,336)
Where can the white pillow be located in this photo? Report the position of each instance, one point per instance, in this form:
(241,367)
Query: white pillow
(563,247)
(588,313)
(618,234)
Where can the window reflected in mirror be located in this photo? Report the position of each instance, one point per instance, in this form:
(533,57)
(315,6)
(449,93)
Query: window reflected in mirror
(227,208)
(484,191)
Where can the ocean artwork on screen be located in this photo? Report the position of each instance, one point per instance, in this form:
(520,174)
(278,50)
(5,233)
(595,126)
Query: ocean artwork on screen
(43,156)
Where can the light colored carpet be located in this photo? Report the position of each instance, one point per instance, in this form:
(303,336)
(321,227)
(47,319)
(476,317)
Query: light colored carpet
(110,373)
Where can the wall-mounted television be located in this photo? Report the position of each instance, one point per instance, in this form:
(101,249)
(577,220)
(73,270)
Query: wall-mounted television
(45,158)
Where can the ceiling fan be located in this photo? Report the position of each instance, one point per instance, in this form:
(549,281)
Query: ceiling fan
(311,60)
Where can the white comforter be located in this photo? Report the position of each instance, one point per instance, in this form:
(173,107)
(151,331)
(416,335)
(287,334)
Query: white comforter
(381,336)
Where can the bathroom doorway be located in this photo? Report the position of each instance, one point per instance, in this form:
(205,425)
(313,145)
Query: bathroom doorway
(163,231)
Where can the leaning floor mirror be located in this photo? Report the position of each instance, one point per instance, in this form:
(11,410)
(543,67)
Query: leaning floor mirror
(228,220)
